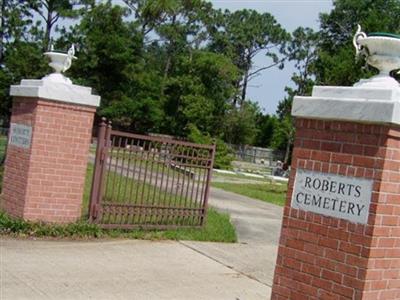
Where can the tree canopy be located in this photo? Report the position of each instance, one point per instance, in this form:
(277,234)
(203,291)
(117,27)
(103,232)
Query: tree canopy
(183,68)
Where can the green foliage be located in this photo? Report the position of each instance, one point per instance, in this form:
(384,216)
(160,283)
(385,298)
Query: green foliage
(106,50)
(157,65)
(266,126)
(283,136)
(50,11)
(223,155)
(303,52)
(198,93)
(16,226)
(21,60)
(240,127)
(241,35)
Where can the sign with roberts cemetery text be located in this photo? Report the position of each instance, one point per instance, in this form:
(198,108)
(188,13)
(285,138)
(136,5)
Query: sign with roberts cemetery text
(20,135)
(332,195)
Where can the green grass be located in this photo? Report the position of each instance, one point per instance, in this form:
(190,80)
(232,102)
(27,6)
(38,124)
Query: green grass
(218,227)
(271,193)
(124,190)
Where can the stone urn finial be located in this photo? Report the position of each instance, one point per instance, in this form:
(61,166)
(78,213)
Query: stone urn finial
(382,51)
(60,62)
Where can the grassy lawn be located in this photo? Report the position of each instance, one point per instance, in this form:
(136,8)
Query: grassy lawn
(267,192)
(218,227)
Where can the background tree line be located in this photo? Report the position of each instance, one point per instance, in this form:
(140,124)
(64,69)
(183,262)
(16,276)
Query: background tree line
(181,67)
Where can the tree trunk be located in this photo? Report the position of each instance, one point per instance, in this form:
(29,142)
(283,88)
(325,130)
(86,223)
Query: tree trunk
(48,30)
(168,63)
(246,79)
(244,88)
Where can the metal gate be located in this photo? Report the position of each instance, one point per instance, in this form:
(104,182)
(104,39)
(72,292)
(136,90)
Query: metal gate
(149,182)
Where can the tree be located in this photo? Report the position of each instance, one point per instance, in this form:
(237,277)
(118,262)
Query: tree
(14,23)
(242,35)
(283,137)
(303,51)
(266,125)
(179,26)
(240,127)
(223,155)
(197,92)
(51,11)
(20,54)
(106,51)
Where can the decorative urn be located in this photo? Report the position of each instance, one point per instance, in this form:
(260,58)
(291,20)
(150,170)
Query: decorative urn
(60,62)
(382,51)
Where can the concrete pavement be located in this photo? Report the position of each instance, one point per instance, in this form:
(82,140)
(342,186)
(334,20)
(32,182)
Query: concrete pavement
(255,221)
(131,269)
(258,226)
(150,270)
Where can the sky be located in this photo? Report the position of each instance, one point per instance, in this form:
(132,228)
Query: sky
(268,89)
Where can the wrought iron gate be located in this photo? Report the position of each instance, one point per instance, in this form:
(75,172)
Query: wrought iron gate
(146,181)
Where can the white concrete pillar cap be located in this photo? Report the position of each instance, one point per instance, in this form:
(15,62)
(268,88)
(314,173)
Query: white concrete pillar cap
(56,91)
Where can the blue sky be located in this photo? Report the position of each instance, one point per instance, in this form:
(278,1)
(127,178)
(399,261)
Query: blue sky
(268,89)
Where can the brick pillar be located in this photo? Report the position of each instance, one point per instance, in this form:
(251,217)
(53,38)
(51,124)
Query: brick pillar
(332,254)
(48,151)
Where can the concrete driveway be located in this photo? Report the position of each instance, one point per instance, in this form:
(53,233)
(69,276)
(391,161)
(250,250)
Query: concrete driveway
(258,227)
(134,269)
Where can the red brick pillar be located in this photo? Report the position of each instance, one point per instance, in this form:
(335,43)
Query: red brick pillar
(48,150)
(332,252)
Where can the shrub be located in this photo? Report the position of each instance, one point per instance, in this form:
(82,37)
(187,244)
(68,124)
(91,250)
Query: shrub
(223,155)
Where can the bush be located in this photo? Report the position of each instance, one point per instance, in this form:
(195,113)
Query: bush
(223,154)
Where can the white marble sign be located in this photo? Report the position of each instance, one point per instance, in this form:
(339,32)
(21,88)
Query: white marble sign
(332,195)
(20,135)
